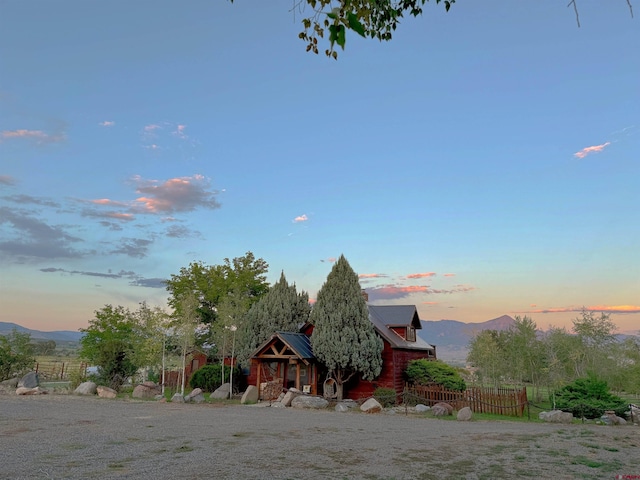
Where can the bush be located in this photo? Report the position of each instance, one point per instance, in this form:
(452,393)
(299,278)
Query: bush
(208,377)
(385,396)
(588,398)
(425,372)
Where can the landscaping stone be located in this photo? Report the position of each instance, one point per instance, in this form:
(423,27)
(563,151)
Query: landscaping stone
(420,408)
(221,392)
(11,383)
(441,410)
(196,396)
(289,396)
(278,405)
(30,391)
(30,380)
(556,416)
(371,406)
(309,401)
(86,388)
(106,392)
(444,405)
(177,398)
(146,390)
(341,408)
(610,418)
(464,414)
(250,395)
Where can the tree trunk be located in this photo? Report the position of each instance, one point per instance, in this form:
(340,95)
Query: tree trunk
(339,390)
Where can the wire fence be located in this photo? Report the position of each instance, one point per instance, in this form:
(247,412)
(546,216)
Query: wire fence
(59,370)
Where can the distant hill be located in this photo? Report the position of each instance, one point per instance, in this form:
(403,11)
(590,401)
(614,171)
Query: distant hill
(452,337)
(57,336)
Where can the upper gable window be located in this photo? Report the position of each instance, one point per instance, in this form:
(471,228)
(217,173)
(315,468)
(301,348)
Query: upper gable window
(411,334)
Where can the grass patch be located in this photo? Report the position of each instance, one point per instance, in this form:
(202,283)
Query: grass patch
(587,462)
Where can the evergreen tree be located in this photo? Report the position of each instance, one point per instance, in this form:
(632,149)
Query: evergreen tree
(281,309)
(343,337)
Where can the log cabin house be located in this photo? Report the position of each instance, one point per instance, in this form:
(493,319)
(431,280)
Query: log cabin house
(286,360)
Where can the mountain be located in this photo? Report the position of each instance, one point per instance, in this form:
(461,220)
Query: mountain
(452,337)
(57,336)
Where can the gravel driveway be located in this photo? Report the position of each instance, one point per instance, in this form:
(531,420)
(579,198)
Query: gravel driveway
(64,436)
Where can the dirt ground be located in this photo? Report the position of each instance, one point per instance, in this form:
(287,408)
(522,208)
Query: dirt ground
(71,437)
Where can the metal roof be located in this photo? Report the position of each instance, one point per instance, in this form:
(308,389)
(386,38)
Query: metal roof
(298,342)
(384,317)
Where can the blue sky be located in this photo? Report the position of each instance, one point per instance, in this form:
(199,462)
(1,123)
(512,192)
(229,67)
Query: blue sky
(484,162)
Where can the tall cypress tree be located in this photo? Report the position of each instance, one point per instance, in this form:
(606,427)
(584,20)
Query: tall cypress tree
(343,337)
(282,308)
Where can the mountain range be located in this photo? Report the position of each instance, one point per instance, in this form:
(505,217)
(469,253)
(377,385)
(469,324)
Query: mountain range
(58,336)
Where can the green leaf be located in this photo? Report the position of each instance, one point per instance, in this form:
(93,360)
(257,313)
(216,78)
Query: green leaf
(354,24)
(341,36)
(332,15)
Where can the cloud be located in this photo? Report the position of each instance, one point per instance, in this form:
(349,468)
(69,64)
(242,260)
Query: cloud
(125,217)
(595,308)
(390,292)
(38,136)
(449,275)
(28,199)
(151,128)
(34,238)
(421,275)
(179,132)
(430,303)
(150,282)
(111,226)
(330,260)
(183,194)
(179,231)
(589,150)
(7,180)
(107,123)
(300,218)
(134,247)
(371,275)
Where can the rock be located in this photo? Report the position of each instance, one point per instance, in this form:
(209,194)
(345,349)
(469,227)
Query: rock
(371,406)
(30,380)
(146,390)
(86,388)
(341,408)
(106,392)
(30,391)
(440,410)
(556,416)
(464,414)
(221,392)
(196,396)
(610,418)
(278,405)
(289,396)
(420,408)
(250,395)
(177,398)
(309,401)
(11,383)
(445,405)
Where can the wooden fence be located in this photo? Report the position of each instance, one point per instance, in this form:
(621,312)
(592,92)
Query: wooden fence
(500,401)
(54,370)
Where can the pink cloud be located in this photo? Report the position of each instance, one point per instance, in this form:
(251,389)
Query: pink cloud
(593,149)
(182,194)
(449,275)
(300,218)
(127,217)
(371,275)
(7,180)
(107,201)
(151,128)
(421,275)
(107,123)
(594,308)
(430,303)
(179,132)
(38,135)
(398,291)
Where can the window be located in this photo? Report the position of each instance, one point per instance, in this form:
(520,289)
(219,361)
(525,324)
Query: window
(411,334)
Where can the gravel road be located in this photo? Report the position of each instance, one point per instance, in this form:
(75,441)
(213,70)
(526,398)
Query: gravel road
(71,437)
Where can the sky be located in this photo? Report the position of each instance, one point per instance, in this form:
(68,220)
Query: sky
(484,162)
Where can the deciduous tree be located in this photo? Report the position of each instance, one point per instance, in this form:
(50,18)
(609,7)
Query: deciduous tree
(344,339)
(16,354)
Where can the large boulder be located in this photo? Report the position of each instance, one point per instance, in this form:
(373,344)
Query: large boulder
(250,395)
(86,388)
(221,392)
(289,396)
(371,406)
(464,414)
(106,392)
(146,390)
(610,418)
(421,408)
(196,396)
(30,391)
(556,416)
(177,398)
(30,380)
(441,410)
(11,383)
(309,401)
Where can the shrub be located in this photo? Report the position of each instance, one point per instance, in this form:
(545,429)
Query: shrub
(588,398)
(208,377)
(425,372)
(385,396)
